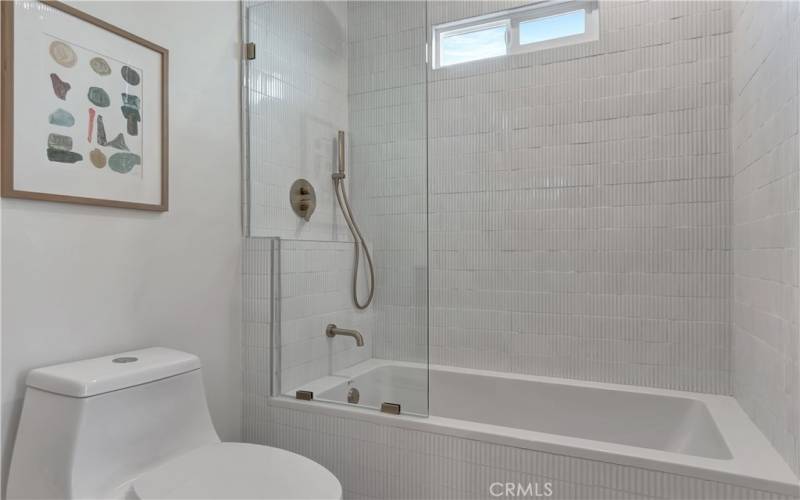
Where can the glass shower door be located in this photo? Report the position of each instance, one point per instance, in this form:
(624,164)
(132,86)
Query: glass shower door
(321,68)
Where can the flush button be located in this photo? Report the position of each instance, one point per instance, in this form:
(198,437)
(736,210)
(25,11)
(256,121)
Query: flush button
(125,359)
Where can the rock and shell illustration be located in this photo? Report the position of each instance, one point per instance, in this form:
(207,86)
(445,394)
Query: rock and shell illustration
(95,119)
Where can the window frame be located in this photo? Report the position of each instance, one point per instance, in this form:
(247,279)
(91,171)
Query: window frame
(512,19)
(472,27)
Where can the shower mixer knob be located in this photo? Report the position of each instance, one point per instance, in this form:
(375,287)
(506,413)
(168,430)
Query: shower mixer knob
(303,198)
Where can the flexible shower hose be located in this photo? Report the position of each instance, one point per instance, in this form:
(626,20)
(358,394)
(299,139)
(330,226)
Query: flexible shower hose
(347,212)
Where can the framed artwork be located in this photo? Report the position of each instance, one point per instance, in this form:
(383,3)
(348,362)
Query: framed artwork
(84,110)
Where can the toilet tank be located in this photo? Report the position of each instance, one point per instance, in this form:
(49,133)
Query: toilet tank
(89,427)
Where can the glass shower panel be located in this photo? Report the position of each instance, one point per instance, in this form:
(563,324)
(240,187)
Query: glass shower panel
(321,68)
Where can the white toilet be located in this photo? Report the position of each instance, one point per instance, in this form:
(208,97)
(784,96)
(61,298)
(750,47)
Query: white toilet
(136,426)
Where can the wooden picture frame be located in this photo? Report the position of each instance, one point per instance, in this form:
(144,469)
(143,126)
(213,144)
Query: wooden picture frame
(146,168)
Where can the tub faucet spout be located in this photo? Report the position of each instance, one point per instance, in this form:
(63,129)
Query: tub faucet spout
(332,331)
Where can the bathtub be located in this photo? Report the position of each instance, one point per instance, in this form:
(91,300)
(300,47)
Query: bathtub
(697,435)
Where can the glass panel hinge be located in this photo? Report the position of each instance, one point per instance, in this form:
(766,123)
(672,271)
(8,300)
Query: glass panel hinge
(250,51)
(391,408)
(304,395)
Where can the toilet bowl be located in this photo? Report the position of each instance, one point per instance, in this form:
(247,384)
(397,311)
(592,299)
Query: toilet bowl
(136,426)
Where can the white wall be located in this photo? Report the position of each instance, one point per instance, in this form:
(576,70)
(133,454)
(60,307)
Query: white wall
(83,281)
(766,232)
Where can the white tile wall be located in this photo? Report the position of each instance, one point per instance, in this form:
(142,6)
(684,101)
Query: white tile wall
(580,221)
(383,461)
(388,165)
(257,303)
(766,167)
(297,92)
(313,283)
(579,197)
(316,283)
(297,89)
(581,226)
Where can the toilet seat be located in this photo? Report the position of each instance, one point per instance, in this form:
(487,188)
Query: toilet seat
(238,470)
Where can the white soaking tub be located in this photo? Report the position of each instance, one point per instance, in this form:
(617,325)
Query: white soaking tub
(696,435)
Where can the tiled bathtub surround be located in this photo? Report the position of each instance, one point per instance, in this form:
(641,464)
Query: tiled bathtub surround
(388,165)
(377,460)
(259,305)
(315,283)
(579,196)
(311,290)
(297,90)
(301,91)
(614,211)
(766,182)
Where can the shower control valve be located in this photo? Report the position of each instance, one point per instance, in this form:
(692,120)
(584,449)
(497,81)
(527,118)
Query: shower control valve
(303,198)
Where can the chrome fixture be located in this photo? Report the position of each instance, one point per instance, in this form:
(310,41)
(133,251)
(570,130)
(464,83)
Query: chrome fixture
(353,395)
(332,331)
(303,198)
(347,212)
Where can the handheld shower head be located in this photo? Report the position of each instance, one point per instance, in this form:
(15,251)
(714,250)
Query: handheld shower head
(340,146)
(347,212)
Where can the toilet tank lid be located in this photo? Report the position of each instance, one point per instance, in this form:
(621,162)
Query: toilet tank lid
(90,377)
